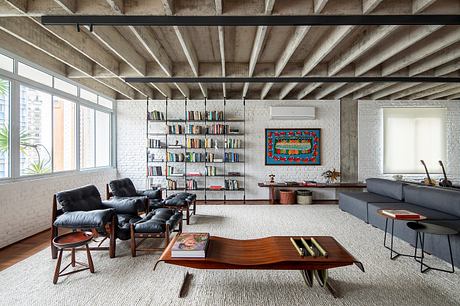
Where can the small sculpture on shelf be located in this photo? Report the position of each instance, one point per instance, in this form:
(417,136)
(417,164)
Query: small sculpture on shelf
(331,176)
(272,179)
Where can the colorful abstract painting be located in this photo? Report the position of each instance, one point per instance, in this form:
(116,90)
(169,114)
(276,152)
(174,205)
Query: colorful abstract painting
(290,147)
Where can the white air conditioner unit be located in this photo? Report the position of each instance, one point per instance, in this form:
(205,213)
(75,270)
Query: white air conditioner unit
(292,112)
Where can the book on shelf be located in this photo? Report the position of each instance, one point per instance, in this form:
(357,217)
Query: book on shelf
(218,160)
(191,184)
(214,115)
(154,171)
(401,214)
(155,115)
(216,187)
(172,184)
(190,245)
(309,183)
(232,185)
(174,147)
(234,174)
(192,173)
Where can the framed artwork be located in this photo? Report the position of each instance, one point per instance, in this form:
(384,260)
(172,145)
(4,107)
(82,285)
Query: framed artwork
(292,147)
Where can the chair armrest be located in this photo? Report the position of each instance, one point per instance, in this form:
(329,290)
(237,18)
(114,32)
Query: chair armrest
(152,194)
(125,205)
(174,220)
(85,219)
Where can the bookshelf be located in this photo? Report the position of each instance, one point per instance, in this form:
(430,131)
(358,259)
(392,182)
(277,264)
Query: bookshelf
(197,151)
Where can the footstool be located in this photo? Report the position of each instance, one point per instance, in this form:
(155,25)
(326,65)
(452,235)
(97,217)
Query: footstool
(182,201)
(71,241)
(159,223)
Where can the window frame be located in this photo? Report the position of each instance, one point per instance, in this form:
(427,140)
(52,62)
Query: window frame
(14,118)
(383,141)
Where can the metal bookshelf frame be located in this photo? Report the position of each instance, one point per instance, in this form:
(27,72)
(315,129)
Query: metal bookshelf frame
(184,148)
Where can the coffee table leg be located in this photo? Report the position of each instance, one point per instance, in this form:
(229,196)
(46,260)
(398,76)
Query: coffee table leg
(331,289)
(307,276)
(185,284)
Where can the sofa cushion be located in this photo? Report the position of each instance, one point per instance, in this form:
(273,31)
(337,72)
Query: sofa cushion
(444,200)
(123,188)
(85,219)
(356,203)
(387,188)
(81,199)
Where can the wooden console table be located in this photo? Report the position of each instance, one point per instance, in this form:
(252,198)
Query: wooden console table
(272,187)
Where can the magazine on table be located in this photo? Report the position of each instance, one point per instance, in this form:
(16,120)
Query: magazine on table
(190,245)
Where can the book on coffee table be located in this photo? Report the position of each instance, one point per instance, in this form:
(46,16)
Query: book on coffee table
(401,214)
(190,245)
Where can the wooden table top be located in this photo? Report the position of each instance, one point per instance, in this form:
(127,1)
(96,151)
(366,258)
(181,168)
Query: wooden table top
(270,253)
(316,185)
(72,239)
(422,217)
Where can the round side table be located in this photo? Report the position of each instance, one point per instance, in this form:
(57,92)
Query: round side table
(422,228)
(72,241)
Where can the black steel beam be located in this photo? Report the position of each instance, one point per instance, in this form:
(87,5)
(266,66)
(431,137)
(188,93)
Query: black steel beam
(306,20)
(308,79)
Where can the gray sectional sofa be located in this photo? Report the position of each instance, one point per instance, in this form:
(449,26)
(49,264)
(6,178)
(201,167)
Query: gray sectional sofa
(440,206)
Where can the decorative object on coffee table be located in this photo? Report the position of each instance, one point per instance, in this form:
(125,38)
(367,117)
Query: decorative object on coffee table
(331,176)
(270,253)
(422,228)
(291,147)
(391,214)
(71,241)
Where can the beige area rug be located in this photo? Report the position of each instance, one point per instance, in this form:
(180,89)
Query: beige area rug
(131,281)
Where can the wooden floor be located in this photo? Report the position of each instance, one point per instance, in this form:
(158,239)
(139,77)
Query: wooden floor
(27,247)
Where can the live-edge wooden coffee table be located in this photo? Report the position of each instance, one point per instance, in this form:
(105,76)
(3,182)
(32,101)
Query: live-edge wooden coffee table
(270,253)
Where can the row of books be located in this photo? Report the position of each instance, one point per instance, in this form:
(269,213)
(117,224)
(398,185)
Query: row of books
(155,115)
(232,185)
(191,185)
(154,171)
(176,129)
(196,143)
(209,115)
(154,143)
(231,157)
(175,157)
(171,184)
(233,143)
(196,129)
(195,157)
(173,171)
(211,170)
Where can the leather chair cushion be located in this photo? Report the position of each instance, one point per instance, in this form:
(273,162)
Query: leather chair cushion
(125,205)
(151,194)
(123,188)
(180,199)
(81,199)
(155,204)
(85,219)
(155,221)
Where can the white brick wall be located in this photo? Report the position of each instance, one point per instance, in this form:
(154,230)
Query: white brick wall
(132,139)
(26,204)
(370,135)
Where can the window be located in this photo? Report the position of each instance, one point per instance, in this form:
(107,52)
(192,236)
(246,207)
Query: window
(64,136)
(65,86)
(87,95)
(102,139)
(87,141)
(4,127)
(105,102)
(35,74)
(411,135)
(35,131)
(6,63)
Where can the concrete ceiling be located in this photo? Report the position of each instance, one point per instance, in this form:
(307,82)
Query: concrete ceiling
(102,58)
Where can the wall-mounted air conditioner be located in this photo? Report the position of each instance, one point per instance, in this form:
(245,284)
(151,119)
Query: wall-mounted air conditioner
(292,112)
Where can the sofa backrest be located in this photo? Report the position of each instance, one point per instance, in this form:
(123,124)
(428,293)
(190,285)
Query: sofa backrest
(387,188)
(81,199)
(444,200)
(123,188)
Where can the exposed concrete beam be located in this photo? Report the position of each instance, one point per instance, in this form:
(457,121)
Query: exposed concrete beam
(443,94)
(413,90)
(371,89)
(119,86)
(318,5)
(285,90)
(453,97)
(392,89)
(399,43)
(306,90)
(448,68)
(370,5)
(70,6)
(368,41)
(420,5)
(219,7)
(348,89)
(444,38)
(327,89)
(431,91)
(168,6)
(258,43)
(448,54)
(117,6)
(19,5)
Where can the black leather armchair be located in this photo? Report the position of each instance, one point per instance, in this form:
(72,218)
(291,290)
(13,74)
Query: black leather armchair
(124,188)
(83,209)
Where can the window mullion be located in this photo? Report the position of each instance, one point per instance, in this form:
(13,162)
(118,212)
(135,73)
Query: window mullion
(15,128)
